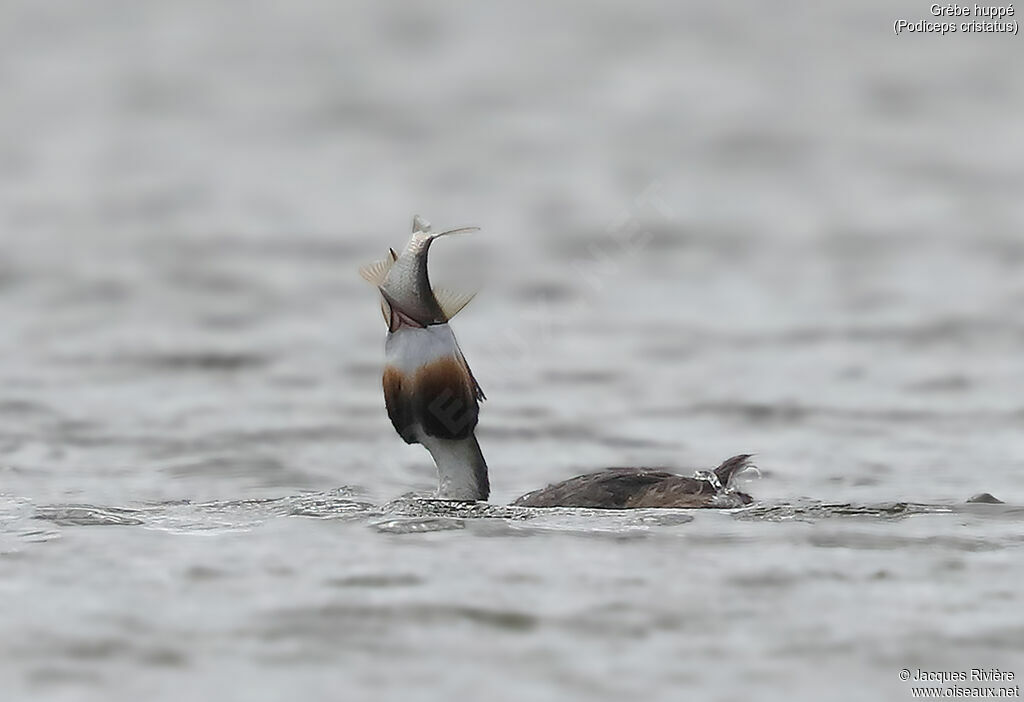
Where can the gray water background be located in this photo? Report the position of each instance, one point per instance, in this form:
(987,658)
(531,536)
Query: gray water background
(707,229)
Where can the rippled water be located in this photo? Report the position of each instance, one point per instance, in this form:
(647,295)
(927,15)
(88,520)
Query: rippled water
(706,230)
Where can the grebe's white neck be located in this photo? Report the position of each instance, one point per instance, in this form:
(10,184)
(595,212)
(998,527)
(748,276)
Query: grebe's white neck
(461,468)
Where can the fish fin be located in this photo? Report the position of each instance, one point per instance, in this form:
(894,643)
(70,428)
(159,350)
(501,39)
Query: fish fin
(451,301)
(385,309)
(420,225)
(394,254)
(375,273)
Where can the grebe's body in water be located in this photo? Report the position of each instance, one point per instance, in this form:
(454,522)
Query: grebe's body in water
(433,399)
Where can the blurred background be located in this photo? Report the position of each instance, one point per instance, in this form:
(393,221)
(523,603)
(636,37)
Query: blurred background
(706,229)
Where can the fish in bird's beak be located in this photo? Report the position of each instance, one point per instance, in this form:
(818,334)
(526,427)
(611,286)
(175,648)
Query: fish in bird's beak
(407,296)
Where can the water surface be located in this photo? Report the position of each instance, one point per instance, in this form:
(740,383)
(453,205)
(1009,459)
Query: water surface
(706,230)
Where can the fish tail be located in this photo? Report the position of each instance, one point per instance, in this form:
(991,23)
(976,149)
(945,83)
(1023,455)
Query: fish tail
(421,228)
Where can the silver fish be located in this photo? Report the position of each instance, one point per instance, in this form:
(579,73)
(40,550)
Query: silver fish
(404,283)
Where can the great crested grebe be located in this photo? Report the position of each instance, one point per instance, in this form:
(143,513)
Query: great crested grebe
(433,399)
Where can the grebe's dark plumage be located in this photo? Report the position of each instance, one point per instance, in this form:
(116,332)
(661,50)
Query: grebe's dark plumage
(635,488)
